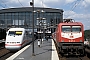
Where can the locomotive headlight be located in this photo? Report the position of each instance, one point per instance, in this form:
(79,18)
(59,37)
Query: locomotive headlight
(80,40)
(62,40)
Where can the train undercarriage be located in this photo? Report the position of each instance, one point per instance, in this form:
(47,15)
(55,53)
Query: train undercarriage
(71,48)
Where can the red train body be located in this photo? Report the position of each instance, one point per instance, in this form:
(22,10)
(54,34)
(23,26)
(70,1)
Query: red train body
(69,37)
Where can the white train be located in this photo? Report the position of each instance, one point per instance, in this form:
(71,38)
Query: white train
(17,38)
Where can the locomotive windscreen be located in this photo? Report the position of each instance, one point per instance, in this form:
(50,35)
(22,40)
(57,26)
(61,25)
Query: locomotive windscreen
(71,28)
(76,28)
(15,33)
(66,29)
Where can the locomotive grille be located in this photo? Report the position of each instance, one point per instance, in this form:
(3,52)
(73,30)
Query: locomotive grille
(71,44)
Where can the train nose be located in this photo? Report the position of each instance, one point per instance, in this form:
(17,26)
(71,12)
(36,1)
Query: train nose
(12,47)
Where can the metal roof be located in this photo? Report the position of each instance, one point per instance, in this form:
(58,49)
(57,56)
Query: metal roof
(28,9)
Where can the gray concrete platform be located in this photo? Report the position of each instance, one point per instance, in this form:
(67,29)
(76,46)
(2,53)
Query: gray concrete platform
(47,51)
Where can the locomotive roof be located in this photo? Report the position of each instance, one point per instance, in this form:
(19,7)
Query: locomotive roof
(16,29)
(71,23)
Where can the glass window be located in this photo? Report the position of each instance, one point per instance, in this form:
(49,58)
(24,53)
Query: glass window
(11,33)
(9,19)
(27,13)
(25,17)
(2,21)
(21,13)
(15,33)
(66,29)
(2,16)
(76,28)
(18,33)
(28,20)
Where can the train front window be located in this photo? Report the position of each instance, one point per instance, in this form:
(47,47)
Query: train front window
(15,33)
(18,32)
(66,29)
(76,28)
(11,33)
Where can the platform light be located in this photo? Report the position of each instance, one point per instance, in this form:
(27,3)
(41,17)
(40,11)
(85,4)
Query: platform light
(41,18)
(31,3)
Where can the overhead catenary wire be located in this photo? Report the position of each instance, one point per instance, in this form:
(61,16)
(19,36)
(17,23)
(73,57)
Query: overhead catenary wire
(7,5)
(4,4)
(20,3)
(75,5)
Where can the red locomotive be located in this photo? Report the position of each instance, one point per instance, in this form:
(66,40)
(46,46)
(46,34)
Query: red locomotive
(69,36)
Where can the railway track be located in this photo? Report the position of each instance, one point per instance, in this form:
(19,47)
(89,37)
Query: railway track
(4,53)
(71,57)
(78,58)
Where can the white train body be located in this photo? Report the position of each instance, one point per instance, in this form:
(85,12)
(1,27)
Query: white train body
(17,38)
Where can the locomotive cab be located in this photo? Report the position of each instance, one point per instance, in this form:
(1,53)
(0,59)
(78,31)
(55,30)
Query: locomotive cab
(17,38)
(70,38)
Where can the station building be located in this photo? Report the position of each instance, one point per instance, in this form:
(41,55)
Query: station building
(22,17)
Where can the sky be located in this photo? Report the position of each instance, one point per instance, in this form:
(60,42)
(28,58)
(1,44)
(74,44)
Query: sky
(79,10)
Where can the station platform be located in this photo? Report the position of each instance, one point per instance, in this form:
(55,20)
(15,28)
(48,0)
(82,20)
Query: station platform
(46,51)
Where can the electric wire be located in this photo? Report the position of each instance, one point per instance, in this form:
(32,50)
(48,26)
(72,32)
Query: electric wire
(2,6)
(75,5)
(20,3)
(4,3)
